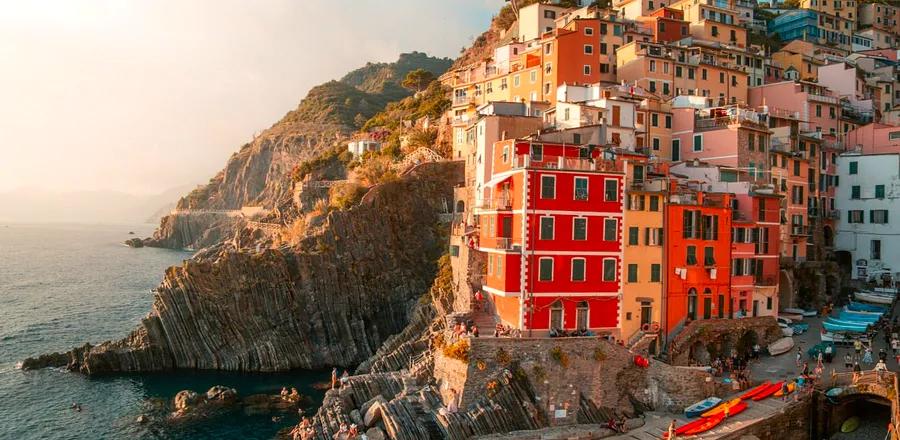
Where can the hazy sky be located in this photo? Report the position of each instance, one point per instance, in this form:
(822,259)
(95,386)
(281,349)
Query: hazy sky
(141,96)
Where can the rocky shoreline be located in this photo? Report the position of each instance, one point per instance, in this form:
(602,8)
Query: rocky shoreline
(331,299)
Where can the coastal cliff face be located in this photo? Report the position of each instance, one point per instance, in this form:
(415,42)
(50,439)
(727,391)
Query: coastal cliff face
(330,299)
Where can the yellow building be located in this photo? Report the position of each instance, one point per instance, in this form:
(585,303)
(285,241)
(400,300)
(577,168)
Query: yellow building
(643,252)
(839,8)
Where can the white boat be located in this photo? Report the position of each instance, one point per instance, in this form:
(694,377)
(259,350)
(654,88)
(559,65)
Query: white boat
(781,346)
(841,338)
(871,297)
(791,316)
(798,311)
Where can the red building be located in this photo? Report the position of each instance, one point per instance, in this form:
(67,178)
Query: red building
(666,24)
(551,227)
(698,257)
(755,251)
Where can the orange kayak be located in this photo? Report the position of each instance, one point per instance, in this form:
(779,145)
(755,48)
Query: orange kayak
(772,389)
(721,408)
(790,389)
(708,423)
(755,390)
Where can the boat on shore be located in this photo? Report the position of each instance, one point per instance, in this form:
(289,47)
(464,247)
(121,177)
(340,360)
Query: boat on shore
(770,390)
(842,337)
(799,311)
(722,408)
(843,327)
(863,307)
(848,310)
(781,346)
(755,390)
(871,297)
(854,317)
(708,423)
(701,407)
(792,316)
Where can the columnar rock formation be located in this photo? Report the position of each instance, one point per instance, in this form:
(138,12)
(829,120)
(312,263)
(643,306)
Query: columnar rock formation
(330,299)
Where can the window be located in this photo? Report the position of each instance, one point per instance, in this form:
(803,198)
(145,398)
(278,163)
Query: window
(654,203)
(676,150)
(548,48)
(854,192)
(709,258)
(698,142)
(579,228)
(603,28)
(537,152)
(653,236)
(609,269)
(581,188)
(854,167)
(692,304)
(632,273)
(633,235)
(516,81)
(603,49)
(587,69)
(588,31)
(879,191)
(678,73)
(654,119)
(654,273)
(875,249)
(796,167)
(668,121)
(655,144)
(611,190)
(548,187)
(722,77)
(703,74)
(691,256)
(609,229)
(550,14)
(588,49)
(636,202)
(532,76)
(546,269)
(878,216)
(547,228)
(855,216)
(576,138)
(578,269)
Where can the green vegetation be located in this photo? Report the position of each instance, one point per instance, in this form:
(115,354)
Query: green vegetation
(431,103)
(458,350)
(374,171)
(418,79)
(337,153)
(345,195)
(559,356)
(364,92)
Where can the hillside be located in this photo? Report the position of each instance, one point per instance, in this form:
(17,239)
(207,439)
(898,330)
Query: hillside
(259,172)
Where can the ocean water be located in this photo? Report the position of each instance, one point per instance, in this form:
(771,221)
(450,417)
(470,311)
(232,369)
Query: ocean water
(63,285)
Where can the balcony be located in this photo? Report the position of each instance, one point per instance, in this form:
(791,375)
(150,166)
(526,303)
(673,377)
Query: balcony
(463,100)
(503,243)
(800,230)
(564,163)
(500,203)
(822,98)
(855,114)
(833,214)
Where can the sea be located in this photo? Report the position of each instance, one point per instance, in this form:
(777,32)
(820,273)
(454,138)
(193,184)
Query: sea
(62,285)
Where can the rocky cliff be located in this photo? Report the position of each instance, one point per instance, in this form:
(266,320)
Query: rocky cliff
(330,299)
(258,174)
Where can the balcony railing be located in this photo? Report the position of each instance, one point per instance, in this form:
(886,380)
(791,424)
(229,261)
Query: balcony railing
(833,214)
(800,230)
(463,100)
(503,243)
(501,203)
(823,98)
(563,163)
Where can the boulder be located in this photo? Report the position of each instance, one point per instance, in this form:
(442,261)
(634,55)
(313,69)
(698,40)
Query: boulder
(186,400)
(135,242)
(221,394)
(375,434)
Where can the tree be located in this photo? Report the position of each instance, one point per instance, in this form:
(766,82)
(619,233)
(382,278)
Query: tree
(791,4)
(418,80)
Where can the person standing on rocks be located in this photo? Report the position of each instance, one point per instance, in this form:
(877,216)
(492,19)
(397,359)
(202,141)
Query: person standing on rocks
(672,430)
(334,378)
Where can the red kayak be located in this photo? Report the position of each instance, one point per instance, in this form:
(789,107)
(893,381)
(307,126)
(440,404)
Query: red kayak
(708,423)
(737,409)
(772,389)
(755,390)
(686,427)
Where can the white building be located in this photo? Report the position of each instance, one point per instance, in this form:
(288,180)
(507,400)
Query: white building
(360,147)
(868,196)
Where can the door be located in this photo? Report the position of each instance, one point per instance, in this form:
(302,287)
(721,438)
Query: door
(506,232)
(616,115)
(556,316)
(581,316)
(646,313)
(707,308)
(721,306)
(755,307)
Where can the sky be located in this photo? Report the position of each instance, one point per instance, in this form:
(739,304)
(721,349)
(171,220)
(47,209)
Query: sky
(145,95)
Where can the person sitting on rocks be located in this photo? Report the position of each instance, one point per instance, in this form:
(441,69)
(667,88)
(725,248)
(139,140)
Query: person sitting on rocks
(620,425)
(284,392)
(345,379)
(474,330)
(294,396)
(613,425)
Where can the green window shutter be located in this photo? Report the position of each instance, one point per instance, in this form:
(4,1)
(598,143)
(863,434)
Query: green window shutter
(654,273)
(632,273)
(879,191)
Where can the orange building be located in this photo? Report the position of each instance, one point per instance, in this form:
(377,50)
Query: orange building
(698,258)
(666,25)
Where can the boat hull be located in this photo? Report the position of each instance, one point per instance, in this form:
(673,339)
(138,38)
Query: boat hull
(708,423)
(772,389)
(781,346)
(863,307)
(874,299)
(702,406)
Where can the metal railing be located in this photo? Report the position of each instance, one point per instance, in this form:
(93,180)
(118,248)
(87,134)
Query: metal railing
(503,243)
(501,203)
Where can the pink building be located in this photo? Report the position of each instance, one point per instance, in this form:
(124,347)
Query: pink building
(875,139)
(732,136)
(815,106)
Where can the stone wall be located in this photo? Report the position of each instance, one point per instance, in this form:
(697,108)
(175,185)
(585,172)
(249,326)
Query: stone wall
(790,422)
(700,340)
(575,380)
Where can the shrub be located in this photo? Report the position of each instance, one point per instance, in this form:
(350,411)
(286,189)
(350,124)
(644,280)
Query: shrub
(492,388)
(503,357)
(599,354)
(438,340)
(374,171)
(345,195)
(458,350)
(559,356)
(480,364)
(539,373)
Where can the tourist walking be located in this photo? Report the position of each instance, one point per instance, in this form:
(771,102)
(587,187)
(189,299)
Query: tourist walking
(895,345)
(857,346)
(880,368)
(867,358)
(672,430)
(799,356)
(848,361)
(829,353)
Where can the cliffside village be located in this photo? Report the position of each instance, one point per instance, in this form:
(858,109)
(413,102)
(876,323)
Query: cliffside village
(686,179)
(631,170)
